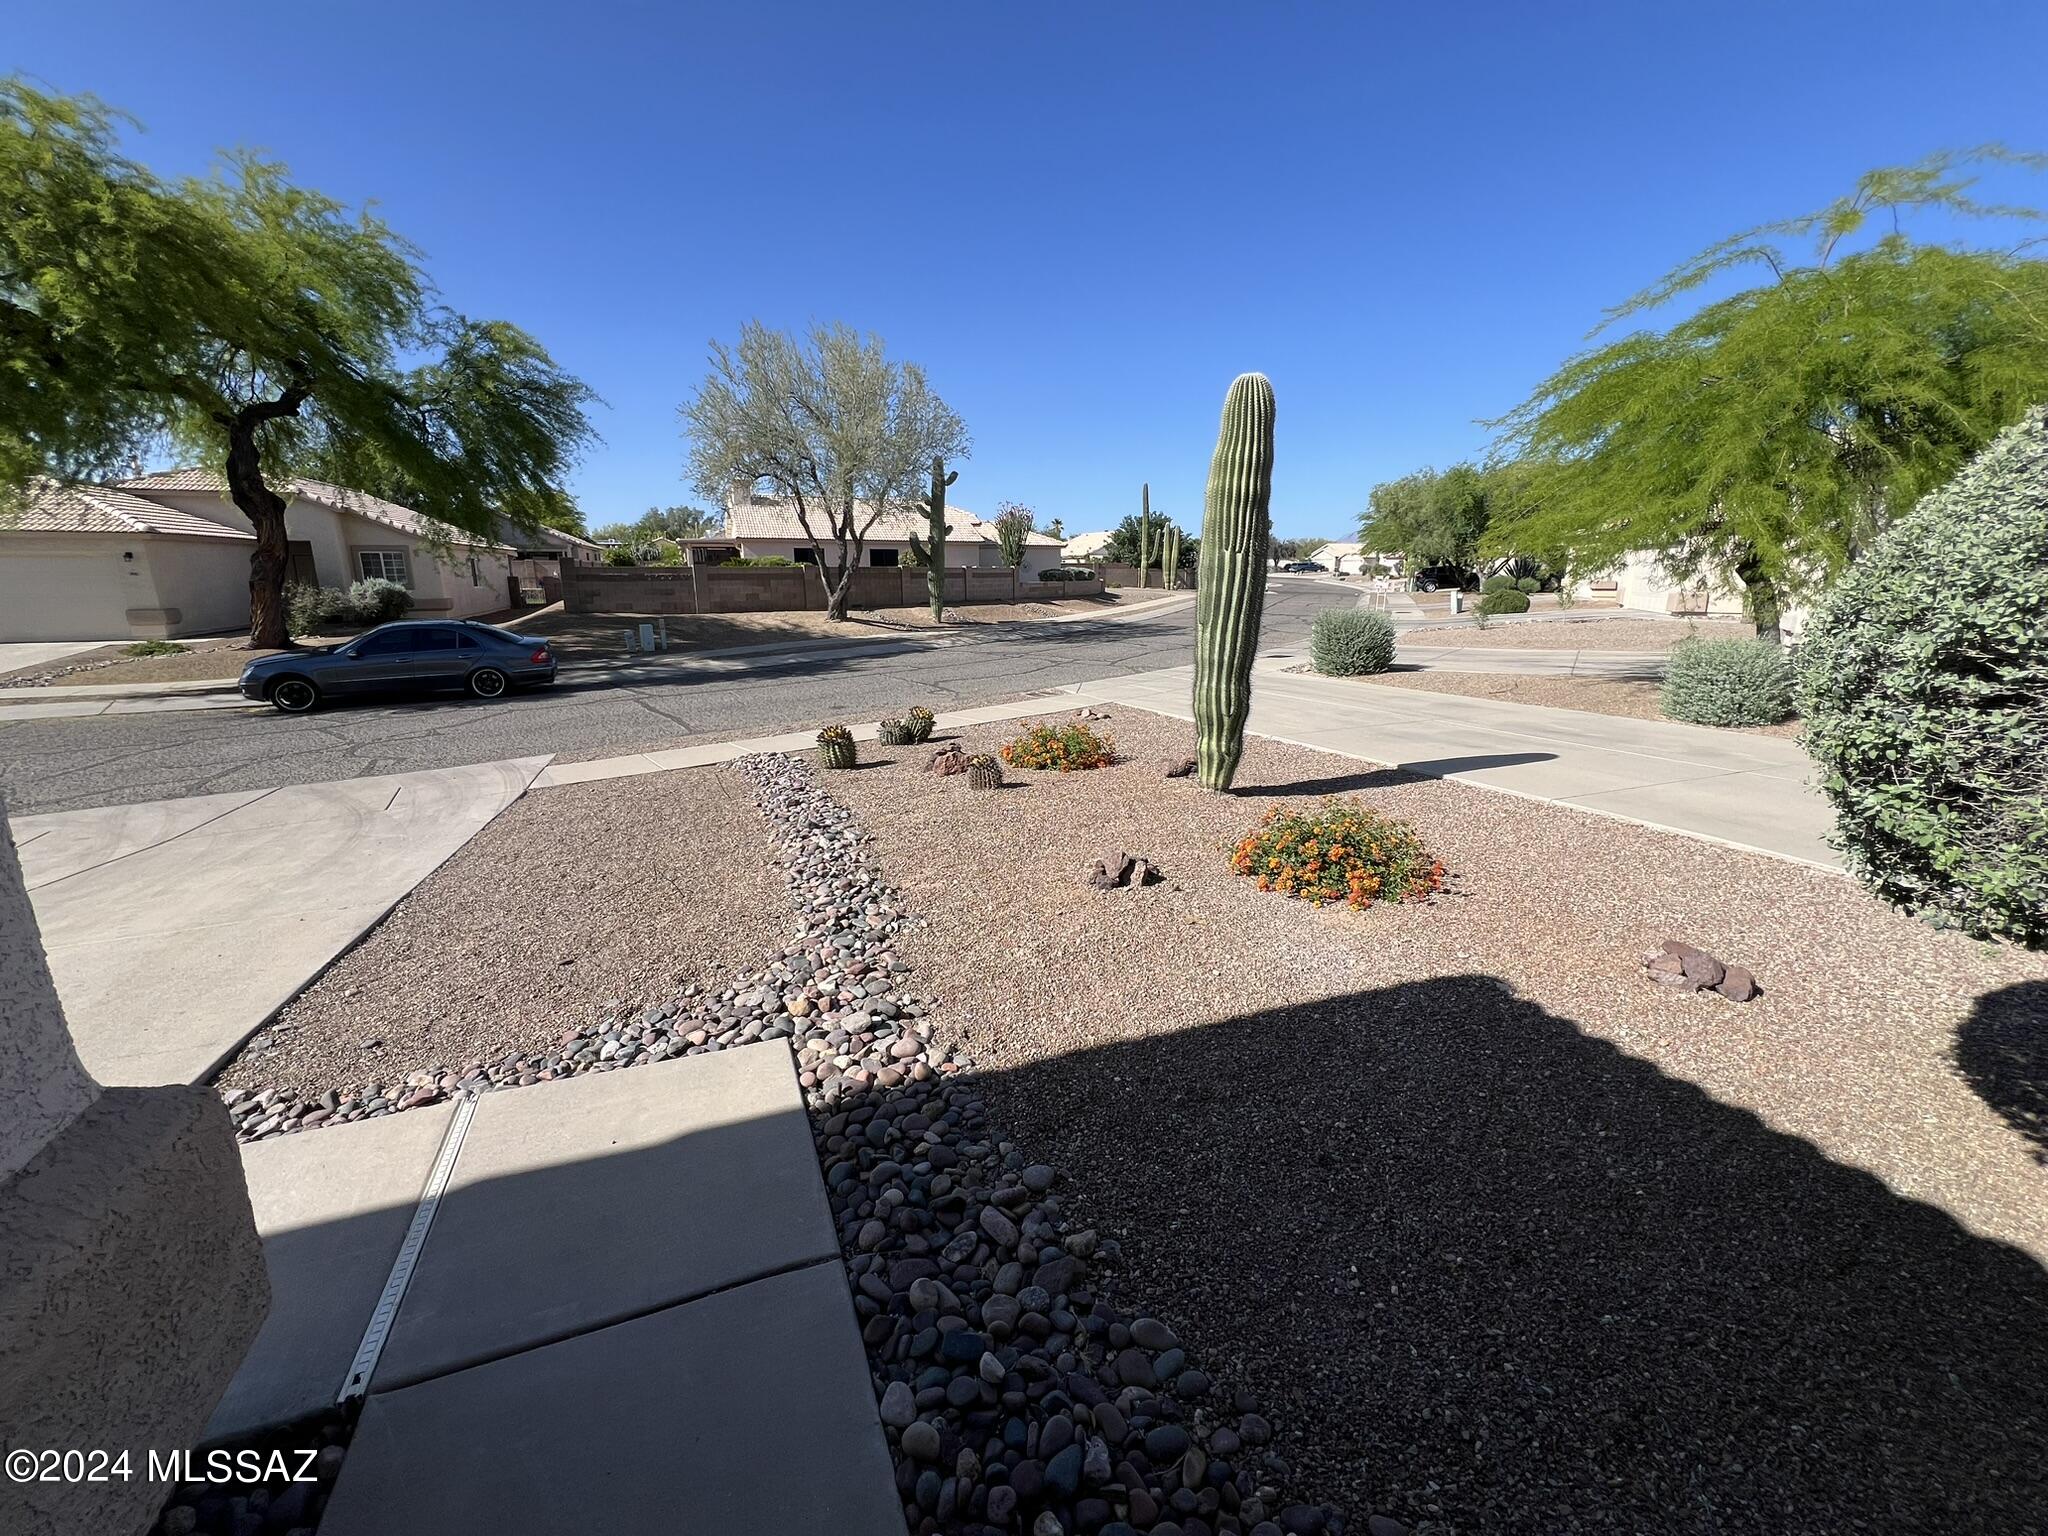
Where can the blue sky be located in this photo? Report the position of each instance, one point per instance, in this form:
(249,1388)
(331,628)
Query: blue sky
(1083,221)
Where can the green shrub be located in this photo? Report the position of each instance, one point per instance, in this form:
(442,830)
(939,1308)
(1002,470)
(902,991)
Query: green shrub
(1343,852)
(1530,585)
(1923,679)
(1063,747)
(1497,584)
(1727,682)
(623,555)
(333,610)
(1350,642)
(1505,600)
(763,560)
(156,648)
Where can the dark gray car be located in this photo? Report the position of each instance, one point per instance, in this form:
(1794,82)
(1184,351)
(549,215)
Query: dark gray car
(415,656)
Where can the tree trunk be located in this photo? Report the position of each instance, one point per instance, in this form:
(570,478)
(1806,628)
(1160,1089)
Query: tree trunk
(1759,595)
(268,626)
(841,590)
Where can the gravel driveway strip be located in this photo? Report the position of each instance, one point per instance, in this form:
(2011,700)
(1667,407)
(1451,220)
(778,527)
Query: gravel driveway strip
(575,897)
(1511,1238)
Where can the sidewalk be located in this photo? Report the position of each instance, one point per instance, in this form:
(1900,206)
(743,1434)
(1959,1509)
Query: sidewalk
(624,1311)
(1746,791)
(175,928)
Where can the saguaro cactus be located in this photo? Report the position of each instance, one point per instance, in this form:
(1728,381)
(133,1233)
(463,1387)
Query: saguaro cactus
(1144,531)
(932,549)
(1230,578)
(1169,559)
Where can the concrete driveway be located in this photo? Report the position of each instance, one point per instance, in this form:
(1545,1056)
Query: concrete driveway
(175,928)
(18,655)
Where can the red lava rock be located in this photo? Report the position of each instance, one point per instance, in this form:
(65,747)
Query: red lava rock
(1180,767)
(1683,965)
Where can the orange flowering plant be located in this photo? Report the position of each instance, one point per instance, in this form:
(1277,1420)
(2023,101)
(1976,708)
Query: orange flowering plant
(1064,747)
(1342,852)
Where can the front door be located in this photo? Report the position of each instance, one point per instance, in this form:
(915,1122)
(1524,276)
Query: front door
(381,659)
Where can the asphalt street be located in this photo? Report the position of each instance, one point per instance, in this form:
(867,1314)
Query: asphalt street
(62,765)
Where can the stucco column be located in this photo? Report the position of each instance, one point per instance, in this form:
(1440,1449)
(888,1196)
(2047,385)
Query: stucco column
(131,1278)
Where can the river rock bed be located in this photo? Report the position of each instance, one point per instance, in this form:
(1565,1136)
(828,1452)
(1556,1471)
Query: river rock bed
(1016,1394)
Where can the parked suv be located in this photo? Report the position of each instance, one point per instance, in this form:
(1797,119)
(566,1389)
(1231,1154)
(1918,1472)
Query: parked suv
(1433,578)
(407,657)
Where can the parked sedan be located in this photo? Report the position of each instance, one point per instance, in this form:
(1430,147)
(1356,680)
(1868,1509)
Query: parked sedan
(408,657)
(1302,568)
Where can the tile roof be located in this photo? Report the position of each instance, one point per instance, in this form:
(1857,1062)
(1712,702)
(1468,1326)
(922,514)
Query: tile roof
(762,519)
(359,503)
(55,508)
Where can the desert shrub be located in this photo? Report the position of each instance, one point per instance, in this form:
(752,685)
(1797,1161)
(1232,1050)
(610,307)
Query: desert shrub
(1065,573)
(623,555)
(1498,584)
(1065,747)
(762,560)
(1530,585)
(1727,682)
(321,610)
(156,648)
(1923,680)
(1349,642)
(1508,599)
(1342,851)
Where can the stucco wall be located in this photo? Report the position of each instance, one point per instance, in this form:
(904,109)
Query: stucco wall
(205,580)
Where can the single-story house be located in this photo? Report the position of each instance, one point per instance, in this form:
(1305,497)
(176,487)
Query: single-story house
(1354,559)
(1640,580)
(1084,547)
(759,527)
(164,555)
(538,555)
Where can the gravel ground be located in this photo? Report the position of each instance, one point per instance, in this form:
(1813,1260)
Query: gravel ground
(1633,698)
(574,897)
(1513,1239)
(1575,634)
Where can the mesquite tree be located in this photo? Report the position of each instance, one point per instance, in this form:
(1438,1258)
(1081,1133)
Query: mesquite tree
(1773,433)
(830,424)
(263,327)
(1230,584)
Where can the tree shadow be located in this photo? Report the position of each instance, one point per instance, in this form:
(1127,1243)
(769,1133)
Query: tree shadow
(2002,1053)
(1496,1275)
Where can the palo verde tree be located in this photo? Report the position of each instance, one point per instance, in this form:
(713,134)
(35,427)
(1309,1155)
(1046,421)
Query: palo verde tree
(261,326)
(1772,433)
(830,424)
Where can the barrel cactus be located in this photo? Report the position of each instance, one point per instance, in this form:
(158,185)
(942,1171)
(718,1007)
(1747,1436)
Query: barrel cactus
(1230,581)
(894,733)
(984,772)
(835,747)
(919,721)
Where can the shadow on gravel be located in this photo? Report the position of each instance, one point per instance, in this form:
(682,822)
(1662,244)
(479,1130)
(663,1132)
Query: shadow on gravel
(1492,1274)
(2002,1053)
(1382,778)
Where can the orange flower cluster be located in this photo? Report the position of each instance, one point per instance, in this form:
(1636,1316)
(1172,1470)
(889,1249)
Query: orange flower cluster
(1343,852)
(1062,747)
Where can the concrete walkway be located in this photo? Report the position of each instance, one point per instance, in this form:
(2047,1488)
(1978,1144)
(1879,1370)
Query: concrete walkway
(20,655)
(627,1310)
(175,928)
(1731,787)
(1418,654)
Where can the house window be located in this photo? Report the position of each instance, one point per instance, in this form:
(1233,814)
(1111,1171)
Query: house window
(806,555)
(383,564)
(475,577)
(884,557)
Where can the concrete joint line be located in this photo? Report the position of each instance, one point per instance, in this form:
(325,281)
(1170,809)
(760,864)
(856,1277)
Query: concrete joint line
(161,843)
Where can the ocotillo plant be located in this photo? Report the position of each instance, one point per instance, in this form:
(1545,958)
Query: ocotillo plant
(1144,531)
(932,549)
(1230,578)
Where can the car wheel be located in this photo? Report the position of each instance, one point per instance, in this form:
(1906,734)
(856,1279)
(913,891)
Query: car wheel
(293,695)
(487,683)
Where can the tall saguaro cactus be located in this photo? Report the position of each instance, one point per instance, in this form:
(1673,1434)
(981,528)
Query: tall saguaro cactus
(932,550)
(1230,579)
(1169,558)
(1144,531)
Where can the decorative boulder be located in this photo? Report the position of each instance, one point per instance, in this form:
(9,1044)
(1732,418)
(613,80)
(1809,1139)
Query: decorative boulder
(1180,767)
(1692,969)
(949,759)
(1118,868)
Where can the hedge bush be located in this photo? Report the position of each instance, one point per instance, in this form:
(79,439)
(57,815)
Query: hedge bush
(1923,678)
(1530,585)
(1727,682)
(1497,584)
(1505,600)
(1349,642)
(330,610)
